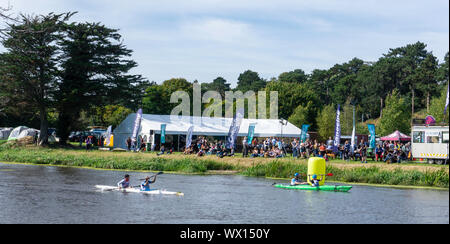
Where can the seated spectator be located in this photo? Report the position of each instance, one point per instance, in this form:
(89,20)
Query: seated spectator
(379,153)
(261,153)
(161,151)
(255,153)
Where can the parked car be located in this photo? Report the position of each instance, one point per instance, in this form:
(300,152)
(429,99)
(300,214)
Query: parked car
(76,135)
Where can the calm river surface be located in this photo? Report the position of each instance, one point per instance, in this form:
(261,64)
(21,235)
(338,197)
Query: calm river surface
(43,194)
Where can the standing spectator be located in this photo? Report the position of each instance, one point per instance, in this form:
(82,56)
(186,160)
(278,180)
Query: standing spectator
(142,147)
(363,151)
(308,148)
(128,142)
(294,145)
(330,143)
(244,147)
(88,143)
(302,150)
(316,148)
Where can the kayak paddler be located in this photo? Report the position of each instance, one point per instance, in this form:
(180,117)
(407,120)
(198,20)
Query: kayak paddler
(145,185)
(314,180)
(125,182)
(297,181)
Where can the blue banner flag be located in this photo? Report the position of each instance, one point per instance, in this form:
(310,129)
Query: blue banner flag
(189,136)
(337,130)
(304,132)
(251,133)
(137,126)
(163,133)
(371,128)
(234,128)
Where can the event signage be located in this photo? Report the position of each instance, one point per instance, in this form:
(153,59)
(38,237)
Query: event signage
(337,130)
(304,131)
(430,120)
(234,128)
(353,132)
(371,128)
(446,100)
(163,133)
(137,125)
(251,133)
(189,136)
(108,136)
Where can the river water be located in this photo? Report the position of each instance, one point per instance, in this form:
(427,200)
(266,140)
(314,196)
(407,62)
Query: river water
(46,194)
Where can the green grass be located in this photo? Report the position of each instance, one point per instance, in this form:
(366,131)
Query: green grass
(110,161)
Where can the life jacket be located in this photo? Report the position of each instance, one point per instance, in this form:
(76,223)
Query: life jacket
(315,182)
(145,187)
(124,184)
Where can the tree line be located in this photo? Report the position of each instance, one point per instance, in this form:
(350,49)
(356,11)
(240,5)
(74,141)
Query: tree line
(69,75)
(407,82)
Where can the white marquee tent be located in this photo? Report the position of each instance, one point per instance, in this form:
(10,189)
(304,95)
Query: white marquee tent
(204,126)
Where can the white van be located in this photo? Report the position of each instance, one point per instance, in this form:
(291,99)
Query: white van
(430,143)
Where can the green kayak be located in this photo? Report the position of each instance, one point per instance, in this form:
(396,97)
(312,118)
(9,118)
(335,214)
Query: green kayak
(316,188)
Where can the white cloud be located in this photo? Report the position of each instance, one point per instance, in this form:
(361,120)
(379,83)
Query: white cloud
(217,30)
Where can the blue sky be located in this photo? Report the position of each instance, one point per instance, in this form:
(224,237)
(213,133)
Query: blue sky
(204,39)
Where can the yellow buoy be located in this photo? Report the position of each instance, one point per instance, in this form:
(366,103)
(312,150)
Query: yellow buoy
(317,166)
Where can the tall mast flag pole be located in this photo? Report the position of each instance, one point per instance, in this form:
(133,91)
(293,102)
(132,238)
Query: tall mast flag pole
(337,130)
(446,100)
(353,131)
(137,125)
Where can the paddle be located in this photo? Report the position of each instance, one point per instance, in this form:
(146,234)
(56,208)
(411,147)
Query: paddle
(159,173)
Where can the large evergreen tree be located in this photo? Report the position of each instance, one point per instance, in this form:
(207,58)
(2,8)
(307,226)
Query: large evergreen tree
(94,71)
(29,66)
(250,80)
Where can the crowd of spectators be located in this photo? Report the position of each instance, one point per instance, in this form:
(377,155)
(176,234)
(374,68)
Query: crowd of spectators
(273,147)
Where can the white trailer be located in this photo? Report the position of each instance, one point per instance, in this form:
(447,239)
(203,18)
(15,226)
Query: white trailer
(430,143)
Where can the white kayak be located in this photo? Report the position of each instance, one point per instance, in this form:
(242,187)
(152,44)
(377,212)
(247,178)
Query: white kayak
(138,190)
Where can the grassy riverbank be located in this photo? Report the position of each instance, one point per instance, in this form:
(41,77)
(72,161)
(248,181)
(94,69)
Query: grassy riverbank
(352,172)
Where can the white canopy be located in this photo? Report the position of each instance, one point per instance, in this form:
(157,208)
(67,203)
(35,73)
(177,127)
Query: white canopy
(206,126)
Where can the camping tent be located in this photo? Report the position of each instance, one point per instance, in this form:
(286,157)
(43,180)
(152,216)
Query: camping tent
(28,132)
(203,126)
(16,132)
(396,136)
(4,133)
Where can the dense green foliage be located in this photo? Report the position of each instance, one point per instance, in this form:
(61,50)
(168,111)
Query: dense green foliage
(396,115)
(111,161)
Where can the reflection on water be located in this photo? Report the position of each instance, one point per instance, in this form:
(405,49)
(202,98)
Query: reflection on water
(42,194)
